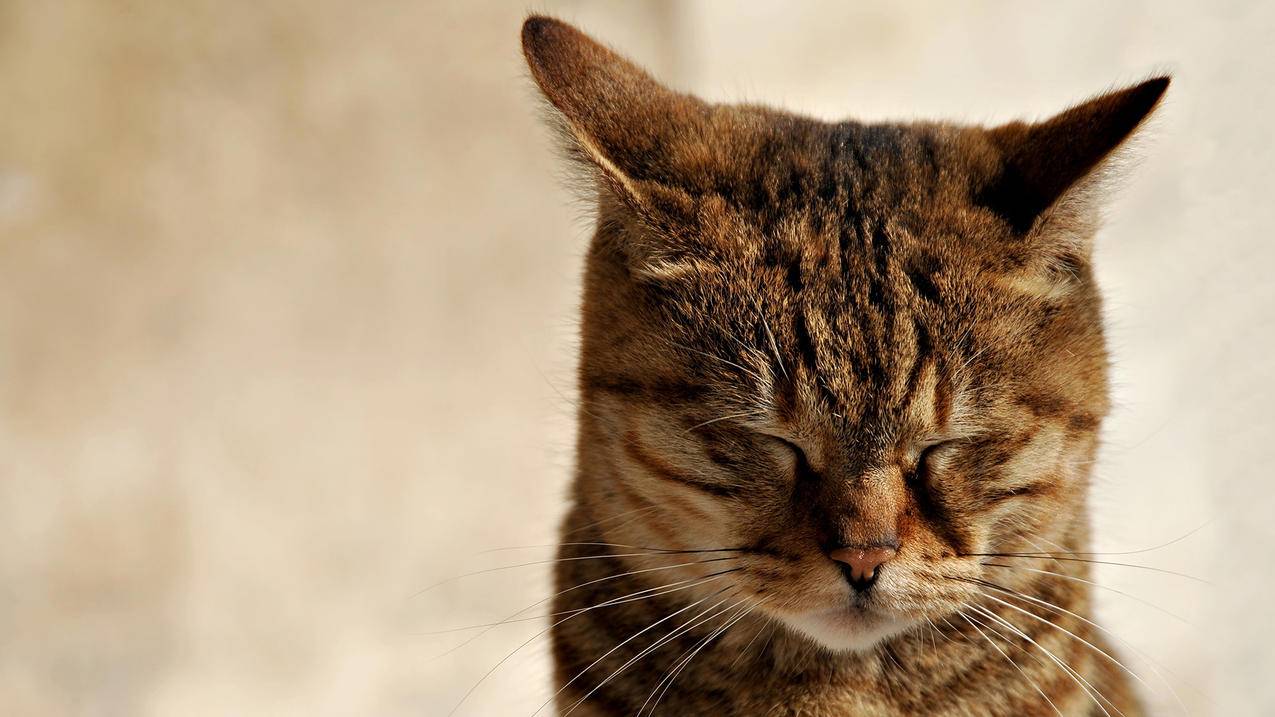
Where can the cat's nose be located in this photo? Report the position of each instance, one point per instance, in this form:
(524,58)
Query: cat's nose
(861,564)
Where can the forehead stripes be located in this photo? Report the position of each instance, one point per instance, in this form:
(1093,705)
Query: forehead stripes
(859,333)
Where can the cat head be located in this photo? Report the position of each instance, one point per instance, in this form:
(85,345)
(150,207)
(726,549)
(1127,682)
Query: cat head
(853,356)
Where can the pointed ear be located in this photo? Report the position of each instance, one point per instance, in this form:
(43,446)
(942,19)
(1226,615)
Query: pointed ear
(624,124)
(1046,164)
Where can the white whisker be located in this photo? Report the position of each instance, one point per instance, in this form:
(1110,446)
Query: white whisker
(1152,663)
(1083,683)
(524,644)
(595,581)
(608,653)
(722,418)
(1011,661)
(695,650)
(774,345)
(1074,636)
(1151,605)
(677,632)
(745,369)
(548,561)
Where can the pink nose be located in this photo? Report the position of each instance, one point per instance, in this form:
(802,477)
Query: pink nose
(863,562)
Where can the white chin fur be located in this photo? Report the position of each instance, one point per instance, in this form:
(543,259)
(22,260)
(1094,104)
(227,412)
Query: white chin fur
(846,630)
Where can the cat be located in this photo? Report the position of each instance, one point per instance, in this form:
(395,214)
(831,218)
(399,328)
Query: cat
(841,388)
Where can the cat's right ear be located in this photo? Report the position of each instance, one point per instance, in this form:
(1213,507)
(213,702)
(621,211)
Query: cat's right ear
(622,124)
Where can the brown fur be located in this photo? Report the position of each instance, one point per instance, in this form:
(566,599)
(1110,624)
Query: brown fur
(802,335)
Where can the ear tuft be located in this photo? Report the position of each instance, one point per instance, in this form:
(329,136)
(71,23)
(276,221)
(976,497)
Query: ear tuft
(1041,162)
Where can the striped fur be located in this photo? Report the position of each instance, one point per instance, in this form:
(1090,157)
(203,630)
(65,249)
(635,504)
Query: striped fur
(799,335)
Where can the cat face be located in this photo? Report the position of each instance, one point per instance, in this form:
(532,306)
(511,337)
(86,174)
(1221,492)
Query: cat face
(849,359)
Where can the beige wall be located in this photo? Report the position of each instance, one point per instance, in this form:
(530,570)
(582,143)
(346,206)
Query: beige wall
(287,305)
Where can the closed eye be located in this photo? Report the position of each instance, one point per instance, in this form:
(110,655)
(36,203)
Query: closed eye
(800,463)
(797,450)
(921,470)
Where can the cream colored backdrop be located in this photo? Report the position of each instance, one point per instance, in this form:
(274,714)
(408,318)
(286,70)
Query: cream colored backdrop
(287,305)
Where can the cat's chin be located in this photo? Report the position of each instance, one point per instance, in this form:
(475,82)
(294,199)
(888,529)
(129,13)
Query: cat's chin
(847,629)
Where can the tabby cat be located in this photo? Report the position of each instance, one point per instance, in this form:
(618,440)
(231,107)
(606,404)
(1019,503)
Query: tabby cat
(841,388)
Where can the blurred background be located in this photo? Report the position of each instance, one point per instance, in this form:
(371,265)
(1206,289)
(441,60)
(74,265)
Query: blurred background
(288,294)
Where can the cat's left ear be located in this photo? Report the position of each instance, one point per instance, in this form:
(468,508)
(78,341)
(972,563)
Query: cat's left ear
(1048,169)
(637,137)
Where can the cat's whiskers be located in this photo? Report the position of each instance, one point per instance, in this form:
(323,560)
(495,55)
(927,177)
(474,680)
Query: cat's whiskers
(934,645)
(1064,558)
(610,602)
(758,355)
(611,519)
(774,345)
(962,342)
(766,622)
(595,581)
(672,635)
(935,630)
(543,632)
(573,558)
(1072,635)
(953,628)
(1073,578)
(625,523)
(711,421)
(1076,677)
(889,654)
(1062,554)
(627,640)
(1063,551)
(728,362)
(1151,662)
(970,361)
(1011,662)
(655,550)
(740,614)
